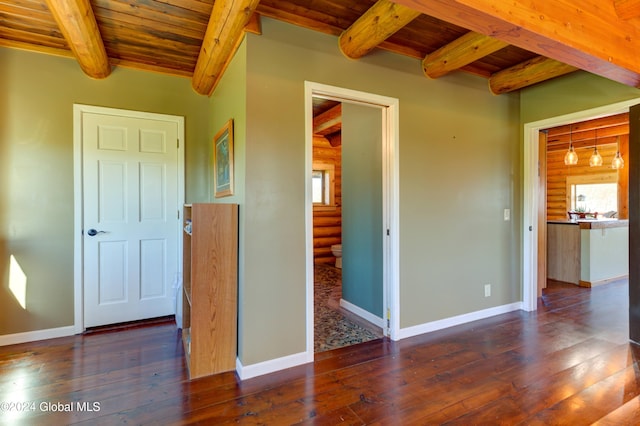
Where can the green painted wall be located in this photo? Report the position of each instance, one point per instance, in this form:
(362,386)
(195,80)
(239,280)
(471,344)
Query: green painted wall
(36,169)
(574,92)
(459,168)
(362,234)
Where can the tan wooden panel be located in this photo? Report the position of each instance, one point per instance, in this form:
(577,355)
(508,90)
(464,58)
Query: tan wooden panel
(211,296)
(563,252)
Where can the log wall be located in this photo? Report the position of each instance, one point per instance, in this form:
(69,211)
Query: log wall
(327,223)
(558,172)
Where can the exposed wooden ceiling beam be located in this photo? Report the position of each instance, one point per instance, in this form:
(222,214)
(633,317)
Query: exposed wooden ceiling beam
(627,9)
(526,74)
(607,133)
(377,24)
(620,122)
(222,38)
(586,34)
(80,29)
(605,130)
(328,122)
(460,52)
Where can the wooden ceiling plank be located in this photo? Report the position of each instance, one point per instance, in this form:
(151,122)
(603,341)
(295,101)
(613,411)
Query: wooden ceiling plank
(34,26)
(588,35)
(168,59)
(610,121)
(460,52)
(328,122)
(157,68)
(79,27)
(526,74)
(156,11)
(401,49)
(43,17)
(179,27)
(224,33)
(168,18)
(627,9)
(585,143)
(377,24)
(29,37)
(196,6)
(613,131)
(31,47)
(297,19)
(150,39)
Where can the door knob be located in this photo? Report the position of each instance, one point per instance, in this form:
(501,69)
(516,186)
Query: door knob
(92,232)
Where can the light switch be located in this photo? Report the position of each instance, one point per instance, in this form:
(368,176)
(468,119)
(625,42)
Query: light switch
(507,214)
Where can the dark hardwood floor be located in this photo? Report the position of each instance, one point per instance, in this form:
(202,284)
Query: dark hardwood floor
(569,363)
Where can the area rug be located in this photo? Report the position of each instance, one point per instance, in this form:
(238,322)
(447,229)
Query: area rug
(333,327)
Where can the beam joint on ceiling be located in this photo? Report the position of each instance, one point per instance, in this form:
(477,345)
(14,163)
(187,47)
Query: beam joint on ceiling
(78,25)
(221,40)
(376,25)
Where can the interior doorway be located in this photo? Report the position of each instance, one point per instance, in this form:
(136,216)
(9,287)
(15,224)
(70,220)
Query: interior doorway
(533,198)
(386,315)
(347,223)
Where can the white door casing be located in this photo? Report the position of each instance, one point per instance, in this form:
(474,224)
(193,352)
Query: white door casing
(390,200)
(131,174)
(530,191)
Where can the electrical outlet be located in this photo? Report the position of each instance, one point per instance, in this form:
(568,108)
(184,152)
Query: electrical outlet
(507,214)
(487,290)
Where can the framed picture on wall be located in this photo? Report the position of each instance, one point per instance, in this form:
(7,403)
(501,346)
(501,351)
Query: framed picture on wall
(223,161)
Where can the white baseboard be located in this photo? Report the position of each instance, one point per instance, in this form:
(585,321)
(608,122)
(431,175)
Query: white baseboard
(32,336)
(457,320)
(362,313)
(272,365)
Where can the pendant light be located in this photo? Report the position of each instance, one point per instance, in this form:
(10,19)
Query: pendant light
(571,158)
(617,162)
(596,158)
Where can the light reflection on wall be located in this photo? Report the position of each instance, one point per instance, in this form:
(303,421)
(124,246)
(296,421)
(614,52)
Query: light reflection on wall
(18,282)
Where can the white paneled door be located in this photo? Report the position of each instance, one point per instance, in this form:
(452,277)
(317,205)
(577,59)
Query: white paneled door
(130,216)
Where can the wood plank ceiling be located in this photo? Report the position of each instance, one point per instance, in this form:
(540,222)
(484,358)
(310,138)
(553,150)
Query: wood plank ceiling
(513,44)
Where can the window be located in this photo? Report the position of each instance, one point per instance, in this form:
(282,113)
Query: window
(593,193)
(323,186)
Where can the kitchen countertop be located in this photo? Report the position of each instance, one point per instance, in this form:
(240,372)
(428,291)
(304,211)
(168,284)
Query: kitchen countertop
(593,223)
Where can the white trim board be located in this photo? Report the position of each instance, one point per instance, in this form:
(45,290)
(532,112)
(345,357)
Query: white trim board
(366,315)
(289,361)
(530,193)
(458,320)
(32,336)
(271,366)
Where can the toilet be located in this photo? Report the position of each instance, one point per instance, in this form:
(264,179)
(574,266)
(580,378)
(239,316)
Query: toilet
(336,249)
